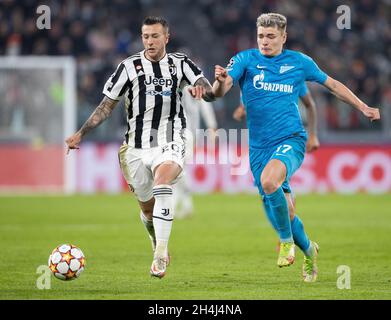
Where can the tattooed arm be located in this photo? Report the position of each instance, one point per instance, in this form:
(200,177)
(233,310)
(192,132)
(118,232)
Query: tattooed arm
(202,89)
(100,114)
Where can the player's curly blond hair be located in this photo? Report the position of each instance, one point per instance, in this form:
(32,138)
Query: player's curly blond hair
(272,20)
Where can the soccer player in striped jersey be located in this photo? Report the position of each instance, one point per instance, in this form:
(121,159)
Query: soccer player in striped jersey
(270,78)
(152,155)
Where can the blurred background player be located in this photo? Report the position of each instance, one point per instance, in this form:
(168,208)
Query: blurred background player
(194,110)
(152,155)
(270,78)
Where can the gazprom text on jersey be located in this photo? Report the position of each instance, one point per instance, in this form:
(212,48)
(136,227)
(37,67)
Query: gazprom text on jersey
(267,86)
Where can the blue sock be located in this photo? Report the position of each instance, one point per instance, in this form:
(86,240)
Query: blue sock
(269,213)
(299,235)
(279,208)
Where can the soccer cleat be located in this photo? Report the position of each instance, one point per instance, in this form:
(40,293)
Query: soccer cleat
(158,267)
(310,269)
(286,255)
(168,257)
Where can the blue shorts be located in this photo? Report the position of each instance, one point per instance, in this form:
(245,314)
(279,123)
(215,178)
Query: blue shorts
(290,151)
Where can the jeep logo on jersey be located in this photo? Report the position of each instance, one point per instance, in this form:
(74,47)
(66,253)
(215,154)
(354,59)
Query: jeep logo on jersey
(164,82)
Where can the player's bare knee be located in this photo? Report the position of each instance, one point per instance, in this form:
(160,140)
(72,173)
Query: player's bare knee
(162,177)
(162,180)
(166,173)
(269,185)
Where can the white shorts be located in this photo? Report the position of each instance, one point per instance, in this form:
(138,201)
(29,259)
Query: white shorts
(138,166)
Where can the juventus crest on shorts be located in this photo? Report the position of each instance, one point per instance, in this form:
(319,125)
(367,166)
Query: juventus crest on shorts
(153,95)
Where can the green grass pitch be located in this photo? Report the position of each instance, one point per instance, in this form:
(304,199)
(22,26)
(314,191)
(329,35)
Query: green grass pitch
(226,251)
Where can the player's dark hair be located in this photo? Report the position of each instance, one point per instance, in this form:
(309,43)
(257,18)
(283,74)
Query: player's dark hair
(151,20)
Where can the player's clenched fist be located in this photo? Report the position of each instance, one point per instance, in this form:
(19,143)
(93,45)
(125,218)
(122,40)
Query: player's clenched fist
(371,113)
(73,141)
(312,143)
(220,73)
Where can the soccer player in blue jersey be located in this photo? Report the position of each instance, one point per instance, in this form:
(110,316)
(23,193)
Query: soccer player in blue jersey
(311,145)
(310,108)
(270,78)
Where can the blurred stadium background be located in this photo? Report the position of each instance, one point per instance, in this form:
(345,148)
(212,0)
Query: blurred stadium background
(42,100)
(51,80)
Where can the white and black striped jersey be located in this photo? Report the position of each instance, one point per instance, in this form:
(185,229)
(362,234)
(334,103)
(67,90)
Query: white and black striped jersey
(153,97)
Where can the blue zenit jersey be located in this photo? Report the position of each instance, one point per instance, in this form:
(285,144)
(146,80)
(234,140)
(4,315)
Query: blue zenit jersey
(270,89)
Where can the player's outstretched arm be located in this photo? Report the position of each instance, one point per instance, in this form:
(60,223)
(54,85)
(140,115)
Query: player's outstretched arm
(310,108)
(344,94)
(100,114)
(223,82)
(202,89)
